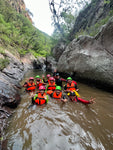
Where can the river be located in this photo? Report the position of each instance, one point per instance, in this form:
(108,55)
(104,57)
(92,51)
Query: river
(58,126)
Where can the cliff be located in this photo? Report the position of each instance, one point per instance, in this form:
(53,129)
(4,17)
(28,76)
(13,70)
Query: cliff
(21,46)
(20,7)
(91,58)
(94,13)
(88,22)
(89,55)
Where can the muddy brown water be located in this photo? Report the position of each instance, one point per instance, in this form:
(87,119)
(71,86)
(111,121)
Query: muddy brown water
(58,126)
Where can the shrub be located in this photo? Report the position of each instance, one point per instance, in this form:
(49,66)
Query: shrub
(3,63)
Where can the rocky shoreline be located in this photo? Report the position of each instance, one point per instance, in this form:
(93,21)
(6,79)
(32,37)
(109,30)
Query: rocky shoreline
(10,78)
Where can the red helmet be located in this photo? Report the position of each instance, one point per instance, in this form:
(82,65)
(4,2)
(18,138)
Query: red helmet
(31,78)
(51,79)
(42,87)
(48,75)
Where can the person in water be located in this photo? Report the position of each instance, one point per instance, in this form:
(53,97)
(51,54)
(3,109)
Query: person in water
(54,73)
(48,76)
(59,80)
(74,98)
(39,82)
(30,86)
(40,98)
(51,86)
(70,86)
(57,94)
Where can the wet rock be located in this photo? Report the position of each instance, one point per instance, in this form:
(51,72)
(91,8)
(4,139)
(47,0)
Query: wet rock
(27,61)
(90,58)
(58,50)
(39,63)
(50,63)
(9,86)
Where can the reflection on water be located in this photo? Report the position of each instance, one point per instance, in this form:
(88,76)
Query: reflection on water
(58,126)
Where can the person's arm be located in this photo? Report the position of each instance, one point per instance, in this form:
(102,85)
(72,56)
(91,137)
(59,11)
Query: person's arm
(64,80)
(45,81)
(47,98)
(25,84)
(35,97)
(74,82)
(63,99)
(46,87)
(76,87)
(42,82)
(91,101)
(65,89)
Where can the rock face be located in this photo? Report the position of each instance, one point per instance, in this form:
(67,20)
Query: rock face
(95,12)
(91,58)
(58,50)
(9,84)
(9,87)
(50,63)
(19,6)
(39,63)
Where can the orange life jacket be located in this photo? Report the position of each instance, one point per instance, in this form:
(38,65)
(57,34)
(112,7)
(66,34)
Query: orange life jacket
(51,86)
(49,92)
(40,100)
(31,87)
(38,84)
(57,96)
(71,87)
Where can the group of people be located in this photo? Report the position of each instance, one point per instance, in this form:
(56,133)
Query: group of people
(54,88)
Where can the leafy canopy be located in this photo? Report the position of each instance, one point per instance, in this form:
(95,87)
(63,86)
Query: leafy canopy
(64,13)
(18,33)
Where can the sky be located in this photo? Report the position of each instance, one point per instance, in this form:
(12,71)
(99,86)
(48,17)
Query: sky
(41,15)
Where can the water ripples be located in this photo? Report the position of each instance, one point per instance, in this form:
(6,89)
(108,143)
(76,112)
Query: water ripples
(59,126)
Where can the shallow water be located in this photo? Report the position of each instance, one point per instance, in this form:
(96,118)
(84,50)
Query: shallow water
(58,126)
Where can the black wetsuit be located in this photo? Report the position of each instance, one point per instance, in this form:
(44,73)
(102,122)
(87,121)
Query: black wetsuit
(58,82)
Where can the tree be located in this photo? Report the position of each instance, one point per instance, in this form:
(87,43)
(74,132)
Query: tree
(64,14)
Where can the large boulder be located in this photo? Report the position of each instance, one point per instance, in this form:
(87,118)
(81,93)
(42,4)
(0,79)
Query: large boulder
(58,50)
(50,63)
(39,63)
(90,57)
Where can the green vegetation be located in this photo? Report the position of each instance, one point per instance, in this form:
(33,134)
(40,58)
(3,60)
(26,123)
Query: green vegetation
(93,30)
(3,63)
(2,51)
(106,1)
(64,14)
(19,35)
